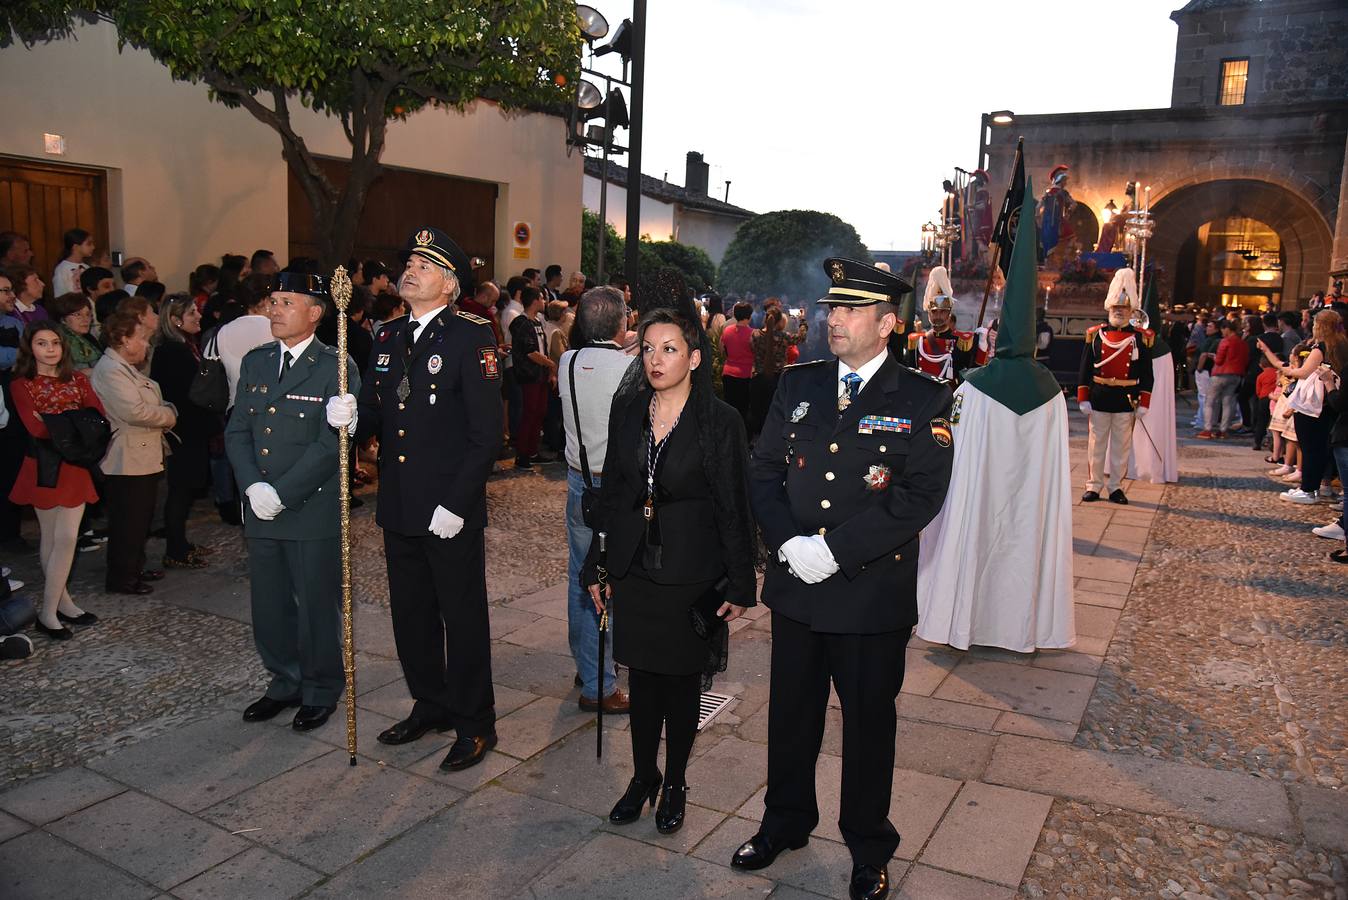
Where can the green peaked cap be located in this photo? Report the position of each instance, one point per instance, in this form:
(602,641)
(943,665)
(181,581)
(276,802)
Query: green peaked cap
(1014,378)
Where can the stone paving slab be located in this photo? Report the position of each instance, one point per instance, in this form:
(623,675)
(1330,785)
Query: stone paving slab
(149,839)
(698,822)
(1073,661)
(989,833)
(493,766)
(729,773)
(925,669)
(570,774)
(368,748)
(533,671)
(1228,799)
(945,712)
(256,874)
(821,867)
(11,827)
(612,866)
(926,883)
(492,844)
(1041,692)
(1323,814)
(1096,567)
(38,866)
(1032,726)
(545,633)
(46,799)
(540,724)
(505,619)
(1096,621)
(917,803)
(941,750)
(200,765)
(327,813)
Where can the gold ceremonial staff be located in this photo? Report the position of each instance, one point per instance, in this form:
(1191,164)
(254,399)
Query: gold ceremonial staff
(341,296)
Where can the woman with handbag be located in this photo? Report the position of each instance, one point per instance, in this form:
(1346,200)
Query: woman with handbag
(1313,420)
(45,383)
(174,367)
(135,456)
(676,461)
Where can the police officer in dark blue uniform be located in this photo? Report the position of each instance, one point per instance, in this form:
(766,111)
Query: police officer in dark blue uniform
(853,461)
(432,393)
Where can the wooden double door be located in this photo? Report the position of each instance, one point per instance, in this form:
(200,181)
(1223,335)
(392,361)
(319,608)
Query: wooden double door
(45,200)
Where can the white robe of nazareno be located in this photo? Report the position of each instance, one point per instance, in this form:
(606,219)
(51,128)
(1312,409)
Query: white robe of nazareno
(995,567)
(1155,454)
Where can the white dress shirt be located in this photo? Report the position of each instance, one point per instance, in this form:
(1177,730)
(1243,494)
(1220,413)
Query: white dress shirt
(423,321)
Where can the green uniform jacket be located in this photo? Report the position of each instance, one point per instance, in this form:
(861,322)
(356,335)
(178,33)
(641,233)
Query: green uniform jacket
(278,433)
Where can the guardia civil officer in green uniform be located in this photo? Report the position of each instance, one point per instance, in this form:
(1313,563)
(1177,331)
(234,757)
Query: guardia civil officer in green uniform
(853,461)
(432,394)
(284,455)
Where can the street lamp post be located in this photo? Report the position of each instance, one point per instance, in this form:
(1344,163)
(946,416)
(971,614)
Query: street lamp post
(638,56)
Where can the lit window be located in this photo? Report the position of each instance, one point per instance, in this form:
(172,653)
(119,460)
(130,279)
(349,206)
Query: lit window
(1235,72)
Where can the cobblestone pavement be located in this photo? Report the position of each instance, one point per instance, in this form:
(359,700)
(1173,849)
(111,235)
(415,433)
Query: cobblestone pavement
(1190,745)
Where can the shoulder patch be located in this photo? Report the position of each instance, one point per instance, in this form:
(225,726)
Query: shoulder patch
(924,375)
(488,363)
(475,319)
(940,432)
(262,349)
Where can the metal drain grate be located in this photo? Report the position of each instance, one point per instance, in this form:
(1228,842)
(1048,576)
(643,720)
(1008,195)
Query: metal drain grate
(710,707)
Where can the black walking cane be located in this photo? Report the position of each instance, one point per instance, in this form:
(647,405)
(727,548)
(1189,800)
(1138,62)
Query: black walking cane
(603,634)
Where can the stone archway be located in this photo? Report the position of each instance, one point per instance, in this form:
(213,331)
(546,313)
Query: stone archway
(1305,235)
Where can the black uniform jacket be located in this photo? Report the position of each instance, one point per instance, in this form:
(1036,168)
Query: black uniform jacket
(437,447)
(817,471)
(697,545)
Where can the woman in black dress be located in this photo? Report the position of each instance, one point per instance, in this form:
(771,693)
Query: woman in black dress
(676,462)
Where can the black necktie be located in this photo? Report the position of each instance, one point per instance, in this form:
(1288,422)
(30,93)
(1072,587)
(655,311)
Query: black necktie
(285,362)
(412,328)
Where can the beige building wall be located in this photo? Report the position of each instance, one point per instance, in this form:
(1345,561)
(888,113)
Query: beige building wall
(190,179)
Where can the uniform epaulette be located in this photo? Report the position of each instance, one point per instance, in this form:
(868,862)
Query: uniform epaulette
(913,338)
(926,375)
(1093,329)
(806,365)
(964,340)
(260,348)
(475,319)
(1148,337)
(330,350)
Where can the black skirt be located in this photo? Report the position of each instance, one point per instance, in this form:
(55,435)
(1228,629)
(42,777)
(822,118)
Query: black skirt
(651,627)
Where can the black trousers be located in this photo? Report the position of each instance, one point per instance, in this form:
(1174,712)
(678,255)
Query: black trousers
(670,701)
(131,504)
(438,594)
(867,672)
(1313,436)
(186,471)
(739,394)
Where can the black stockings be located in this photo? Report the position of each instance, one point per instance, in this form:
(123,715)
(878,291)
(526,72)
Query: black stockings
(670,701)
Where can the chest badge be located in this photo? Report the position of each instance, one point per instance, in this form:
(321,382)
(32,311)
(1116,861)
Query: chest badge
(801,411)
(877,479)
(434,364)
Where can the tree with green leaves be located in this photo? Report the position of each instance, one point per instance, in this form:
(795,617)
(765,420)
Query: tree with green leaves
(367,64)
(693,263)
(783,253)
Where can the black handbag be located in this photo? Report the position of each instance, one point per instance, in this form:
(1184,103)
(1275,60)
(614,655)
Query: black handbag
(703,612)
(210,385)
(589,496)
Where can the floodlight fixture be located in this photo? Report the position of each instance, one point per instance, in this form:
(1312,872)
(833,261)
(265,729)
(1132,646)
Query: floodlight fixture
(621,42)
(1002,117)
(588,96)
(593,25)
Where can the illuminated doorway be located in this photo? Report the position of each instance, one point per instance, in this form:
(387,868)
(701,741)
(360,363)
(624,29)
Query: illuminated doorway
(1233,262)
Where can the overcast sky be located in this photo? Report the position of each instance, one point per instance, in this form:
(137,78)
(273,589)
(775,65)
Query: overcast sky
(862,107)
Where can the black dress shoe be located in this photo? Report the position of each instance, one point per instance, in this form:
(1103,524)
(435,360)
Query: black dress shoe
(467,751)
(1090,496)
(669,814)
(1118,497)
(523,462)
(311,717)
(868,883)
(628,807)
(85,618)
(56,634)
(760,850)
(409,730)
(152,575)
(135,587)
(267,708)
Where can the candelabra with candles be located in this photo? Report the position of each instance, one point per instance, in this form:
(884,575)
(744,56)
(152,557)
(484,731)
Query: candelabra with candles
(1139,226)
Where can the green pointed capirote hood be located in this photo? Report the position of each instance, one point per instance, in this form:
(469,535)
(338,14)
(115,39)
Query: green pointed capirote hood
(1013,377)
(1152,305)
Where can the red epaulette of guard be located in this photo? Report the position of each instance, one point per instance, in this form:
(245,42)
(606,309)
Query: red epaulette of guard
(914,337)
(1148,336)
(1091,332)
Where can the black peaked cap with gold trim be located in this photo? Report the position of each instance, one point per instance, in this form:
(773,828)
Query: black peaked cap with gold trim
(853,283)
(299,283)
(440,249)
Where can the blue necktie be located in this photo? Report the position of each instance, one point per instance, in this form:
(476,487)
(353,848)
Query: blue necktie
(853,382)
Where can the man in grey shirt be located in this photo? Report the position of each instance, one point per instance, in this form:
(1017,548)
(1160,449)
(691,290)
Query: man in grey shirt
(597,366)
(1287,327)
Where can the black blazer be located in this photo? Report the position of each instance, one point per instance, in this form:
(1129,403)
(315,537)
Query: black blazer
(698,545)
(867,490)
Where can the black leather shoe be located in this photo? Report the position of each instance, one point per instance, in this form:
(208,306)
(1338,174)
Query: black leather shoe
(152,575)
(760,850)
(467,751)
(1090,496)
(669,814)
(409,730)
(628,807)
(56,634)
(86,618)
(267,708)
(135,587)
(1118,497)
(868,883)
(311,717)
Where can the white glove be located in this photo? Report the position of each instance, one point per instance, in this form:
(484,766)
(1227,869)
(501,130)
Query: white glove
(824,560)
(444,524)
(1141,410)
(265,501)
(342,412)
(1085,407)
(804,560)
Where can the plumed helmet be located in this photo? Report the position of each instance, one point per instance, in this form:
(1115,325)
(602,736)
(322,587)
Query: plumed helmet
(1123,290)
(939,295)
